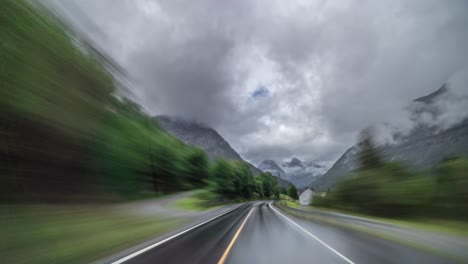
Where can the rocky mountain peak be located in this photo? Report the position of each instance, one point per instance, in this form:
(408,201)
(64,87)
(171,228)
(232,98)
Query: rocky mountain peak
(295,162)
(272,167)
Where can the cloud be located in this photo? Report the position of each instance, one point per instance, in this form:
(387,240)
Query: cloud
(448,108)
(330,68)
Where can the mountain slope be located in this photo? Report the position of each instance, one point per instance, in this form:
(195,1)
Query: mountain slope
(424,147)
(273,168)
(202,136)
(208,139)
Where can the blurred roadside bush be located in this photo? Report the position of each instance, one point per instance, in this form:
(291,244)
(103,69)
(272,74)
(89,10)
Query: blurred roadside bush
(65,134)
(388,189)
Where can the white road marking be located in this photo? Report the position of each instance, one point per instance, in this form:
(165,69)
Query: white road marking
(122,260)
(310,234)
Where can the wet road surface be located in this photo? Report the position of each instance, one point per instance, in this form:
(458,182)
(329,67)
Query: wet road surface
(260,233)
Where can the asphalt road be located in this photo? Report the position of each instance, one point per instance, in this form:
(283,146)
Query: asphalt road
(257,233)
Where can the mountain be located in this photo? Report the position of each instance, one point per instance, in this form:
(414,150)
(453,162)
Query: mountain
(197,134)
(273,168)
(425,146)
(207,138)
(298,172)
(302,173)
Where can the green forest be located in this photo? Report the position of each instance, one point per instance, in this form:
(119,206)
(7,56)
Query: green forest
(68,135)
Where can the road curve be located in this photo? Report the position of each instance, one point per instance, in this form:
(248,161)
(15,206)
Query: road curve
(260,233)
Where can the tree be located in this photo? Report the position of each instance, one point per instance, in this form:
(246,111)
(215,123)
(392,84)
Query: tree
(276,193)
(223,178)
(197,171)
(268,184)
(243,180)
(292,192)
(283,191)
(267,190)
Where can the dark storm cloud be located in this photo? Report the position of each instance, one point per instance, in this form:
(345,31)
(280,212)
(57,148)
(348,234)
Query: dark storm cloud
(330,68)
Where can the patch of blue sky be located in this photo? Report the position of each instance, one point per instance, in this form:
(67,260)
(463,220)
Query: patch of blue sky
(261,91)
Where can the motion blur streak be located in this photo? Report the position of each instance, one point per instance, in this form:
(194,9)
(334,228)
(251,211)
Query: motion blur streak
(66,133)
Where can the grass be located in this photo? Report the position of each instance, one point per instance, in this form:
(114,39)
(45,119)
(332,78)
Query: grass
(292,204)
(200,201)
(285,197)
(72,234)
(193,203)
(442,226)
(449,227)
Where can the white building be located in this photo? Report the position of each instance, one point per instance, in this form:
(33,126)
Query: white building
(305,198)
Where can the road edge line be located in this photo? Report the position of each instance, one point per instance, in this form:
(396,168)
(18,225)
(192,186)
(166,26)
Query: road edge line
(143,250)
(313,236)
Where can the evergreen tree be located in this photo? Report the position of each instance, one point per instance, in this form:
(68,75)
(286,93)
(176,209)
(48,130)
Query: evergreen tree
(197,171)
(223,177)
(276,193)
(292,192)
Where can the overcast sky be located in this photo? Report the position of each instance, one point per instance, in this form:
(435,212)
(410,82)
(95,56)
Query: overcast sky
(280,78)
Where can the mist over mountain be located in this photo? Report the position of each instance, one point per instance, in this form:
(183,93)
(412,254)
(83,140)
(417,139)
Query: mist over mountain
(298,172)
(302,173)
(439,130)
(272,167)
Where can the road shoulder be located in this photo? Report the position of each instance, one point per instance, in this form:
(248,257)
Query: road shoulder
(453,248)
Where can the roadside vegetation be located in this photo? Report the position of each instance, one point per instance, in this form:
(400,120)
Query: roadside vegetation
(196,203)
(388,189)
(290,203)
(72,234)
(289,197)
(292,192)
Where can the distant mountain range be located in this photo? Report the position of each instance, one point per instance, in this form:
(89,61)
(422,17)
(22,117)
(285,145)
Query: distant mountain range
(302,173)
(425,146)
(298,172)
(207,138)
(273,168)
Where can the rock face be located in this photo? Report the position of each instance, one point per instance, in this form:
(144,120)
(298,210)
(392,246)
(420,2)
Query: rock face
(343,166)
(273,168)
(302,173)
(208,139)
(425,146)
